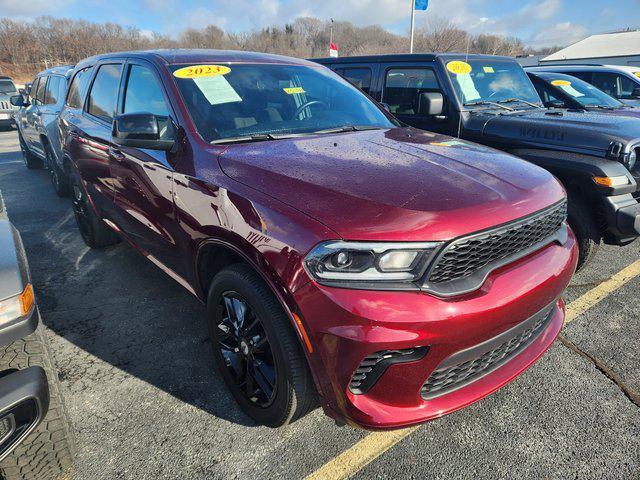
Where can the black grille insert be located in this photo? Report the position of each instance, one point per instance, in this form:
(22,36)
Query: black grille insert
(467,255)
(374,365)
(452,375)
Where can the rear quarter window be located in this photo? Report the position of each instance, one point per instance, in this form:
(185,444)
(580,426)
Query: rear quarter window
(78,88)
(103,96)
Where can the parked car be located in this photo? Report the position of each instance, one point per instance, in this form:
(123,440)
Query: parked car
(7,111)
(490,100)
(35,438)
(37,122)
(558,90)
(392,275)
(619,81)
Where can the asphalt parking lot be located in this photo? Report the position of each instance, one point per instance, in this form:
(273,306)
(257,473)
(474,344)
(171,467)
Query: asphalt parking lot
(145,400)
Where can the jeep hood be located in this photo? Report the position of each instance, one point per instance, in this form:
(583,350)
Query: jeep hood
(561,129)
(396,184)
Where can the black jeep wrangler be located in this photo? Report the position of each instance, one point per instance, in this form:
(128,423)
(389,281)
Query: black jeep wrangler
(490,100)
(35,437)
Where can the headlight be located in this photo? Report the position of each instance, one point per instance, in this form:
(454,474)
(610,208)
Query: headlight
(16,307)
(370,265)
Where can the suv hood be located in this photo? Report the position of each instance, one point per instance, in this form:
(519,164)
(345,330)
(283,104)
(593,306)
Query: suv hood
(566,129)
(397,184)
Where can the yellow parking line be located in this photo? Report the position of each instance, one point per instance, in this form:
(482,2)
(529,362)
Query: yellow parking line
(358,456)
(599,293)
(351,461)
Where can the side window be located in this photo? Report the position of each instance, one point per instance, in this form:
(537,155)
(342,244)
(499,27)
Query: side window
(586,76)
(360,77)
(34,89)
(52,91)
(607,82)
(40,91)
(403,87)
(104,92)
(626,87)
(144,93)
(78,88)
(545,92)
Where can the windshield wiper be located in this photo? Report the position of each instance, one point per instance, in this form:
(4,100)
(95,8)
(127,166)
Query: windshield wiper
(602,107)
(259,137)
(347,128)
(511,100)
(480,103)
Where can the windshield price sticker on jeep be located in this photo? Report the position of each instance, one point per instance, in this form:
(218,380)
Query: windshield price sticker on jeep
(293,90)
(561,83)
(459,68)
(201,71)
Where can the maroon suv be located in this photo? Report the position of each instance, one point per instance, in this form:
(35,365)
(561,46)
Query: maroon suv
(389,274)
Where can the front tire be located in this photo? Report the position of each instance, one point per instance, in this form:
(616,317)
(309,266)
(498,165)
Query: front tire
(256,349)
(586,230)
(95,233)
(48,451)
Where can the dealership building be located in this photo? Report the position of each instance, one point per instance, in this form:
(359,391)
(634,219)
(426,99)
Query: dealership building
(620,48)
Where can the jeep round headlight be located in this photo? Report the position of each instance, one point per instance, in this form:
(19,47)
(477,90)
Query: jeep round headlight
(369,265)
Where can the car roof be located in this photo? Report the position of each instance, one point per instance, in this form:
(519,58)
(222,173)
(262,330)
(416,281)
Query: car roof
(552,75)
(57,70)
(585,68)
(4,77)
(407,57)
(195,56)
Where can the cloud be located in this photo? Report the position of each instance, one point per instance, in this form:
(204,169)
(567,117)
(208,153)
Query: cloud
(564,33)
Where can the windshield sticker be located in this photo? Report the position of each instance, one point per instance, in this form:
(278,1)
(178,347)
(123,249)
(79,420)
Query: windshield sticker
(201,71)
(468,88)
(459,68)
(571,91)
(293,90)
(488,70)
(561,83)
(217,90)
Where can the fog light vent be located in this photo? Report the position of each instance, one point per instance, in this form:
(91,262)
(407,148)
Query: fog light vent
(373,366)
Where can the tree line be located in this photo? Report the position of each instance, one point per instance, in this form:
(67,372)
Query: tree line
(28,47)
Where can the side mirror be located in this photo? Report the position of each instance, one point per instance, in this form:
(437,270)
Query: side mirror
(431,103)
(18,101)
(144,130)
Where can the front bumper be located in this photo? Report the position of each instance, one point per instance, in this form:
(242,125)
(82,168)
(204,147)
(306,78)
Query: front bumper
(623,218)
(348,325)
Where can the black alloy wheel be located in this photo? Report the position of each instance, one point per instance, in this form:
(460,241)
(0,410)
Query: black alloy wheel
(246,349)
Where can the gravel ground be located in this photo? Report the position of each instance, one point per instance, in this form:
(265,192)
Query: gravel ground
(135,365)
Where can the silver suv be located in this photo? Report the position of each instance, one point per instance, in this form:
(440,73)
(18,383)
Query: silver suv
(7,111)
(37,122)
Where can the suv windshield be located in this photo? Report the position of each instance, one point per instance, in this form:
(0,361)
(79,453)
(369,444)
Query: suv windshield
(250,100)
(484,80)
(585,93)
(7,86)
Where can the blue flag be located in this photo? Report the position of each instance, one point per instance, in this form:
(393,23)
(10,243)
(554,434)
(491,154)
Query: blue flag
(421,4)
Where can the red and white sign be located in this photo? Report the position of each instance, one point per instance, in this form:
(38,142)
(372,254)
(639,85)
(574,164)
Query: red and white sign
(333,50)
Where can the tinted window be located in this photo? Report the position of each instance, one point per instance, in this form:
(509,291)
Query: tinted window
(78,88)
(545,92)
(614,84)
(33,90)
(52,91)
(403,87)
(104,92)
(143,93)
(40,91)
(586,76)
(360,77)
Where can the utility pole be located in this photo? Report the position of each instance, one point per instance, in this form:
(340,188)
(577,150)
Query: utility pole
(413,24)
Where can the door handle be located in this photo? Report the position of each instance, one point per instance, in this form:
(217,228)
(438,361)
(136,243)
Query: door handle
(116,154)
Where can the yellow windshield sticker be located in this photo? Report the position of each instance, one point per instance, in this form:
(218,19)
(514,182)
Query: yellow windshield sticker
(637,74)
(293,90)
(488,70)
(201,71)
(459,68)
(561,83)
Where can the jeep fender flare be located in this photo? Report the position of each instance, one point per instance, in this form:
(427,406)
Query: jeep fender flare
(576,170)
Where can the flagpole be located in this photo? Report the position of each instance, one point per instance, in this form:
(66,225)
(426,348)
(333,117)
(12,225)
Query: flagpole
(413,12)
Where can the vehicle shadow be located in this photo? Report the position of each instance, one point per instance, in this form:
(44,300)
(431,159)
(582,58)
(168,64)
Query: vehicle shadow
(112,304)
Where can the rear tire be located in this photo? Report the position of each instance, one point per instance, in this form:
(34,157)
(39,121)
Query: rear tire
(30,160)
(48,451)
(293,391)
(59,179)
(94,232)
(586,230)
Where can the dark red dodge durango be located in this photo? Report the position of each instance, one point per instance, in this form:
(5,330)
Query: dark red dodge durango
(389,274)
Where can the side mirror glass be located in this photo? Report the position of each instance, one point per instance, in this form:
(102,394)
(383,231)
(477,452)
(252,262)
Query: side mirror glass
(431,103)
(144,130)
(18,101)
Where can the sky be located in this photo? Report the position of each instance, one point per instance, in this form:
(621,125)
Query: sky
(538,23)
